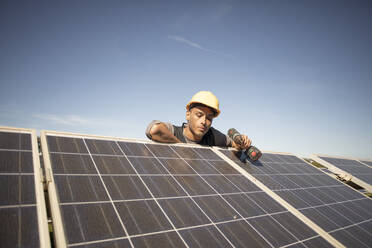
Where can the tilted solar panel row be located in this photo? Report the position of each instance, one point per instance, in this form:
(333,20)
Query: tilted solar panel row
(354,170)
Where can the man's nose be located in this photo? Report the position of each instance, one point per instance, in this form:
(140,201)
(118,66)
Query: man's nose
(203,120)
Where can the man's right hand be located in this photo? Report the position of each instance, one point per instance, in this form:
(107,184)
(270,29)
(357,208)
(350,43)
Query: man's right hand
(159,132)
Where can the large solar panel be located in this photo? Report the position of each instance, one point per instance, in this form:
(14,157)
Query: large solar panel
(108,192)
(338,209)
(22,206)
(354,170)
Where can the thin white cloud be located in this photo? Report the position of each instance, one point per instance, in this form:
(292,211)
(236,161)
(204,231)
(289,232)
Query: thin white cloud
(75,120)
(70,120)
(195,45)
(187,42)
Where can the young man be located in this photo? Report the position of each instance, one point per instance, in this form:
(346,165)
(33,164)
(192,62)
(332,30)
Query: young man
(200,111)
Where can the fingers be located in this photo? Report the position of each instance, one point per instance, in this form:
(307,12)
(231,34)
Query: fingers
(246,142)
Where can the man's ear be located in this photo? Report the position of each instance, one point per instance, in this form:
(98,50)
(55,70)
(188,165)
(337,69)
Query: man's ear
(188,115)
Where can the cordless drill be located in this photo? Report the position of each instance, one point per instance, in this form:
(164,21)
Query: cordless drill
(252,152)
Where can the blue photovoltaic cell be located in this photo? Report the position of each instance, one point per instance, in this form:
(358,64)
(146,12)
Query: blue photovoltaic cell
(135,194)
(338,209)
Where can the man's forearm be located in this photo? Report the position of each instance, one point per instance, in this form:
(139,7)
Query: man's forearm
(161,133)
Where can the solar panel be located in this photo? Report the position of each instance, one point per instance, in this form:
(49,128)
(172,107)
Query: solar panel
(108,192)
(22,206)
(354,170)
(337,208)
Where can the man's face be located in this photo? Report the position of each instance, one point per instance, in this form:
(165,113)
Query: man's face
(199,120)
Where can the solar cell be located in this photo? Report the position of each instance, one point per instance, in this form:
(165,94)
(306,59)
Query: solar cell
(330,204)
(354,170)
(157,195)
(22,207)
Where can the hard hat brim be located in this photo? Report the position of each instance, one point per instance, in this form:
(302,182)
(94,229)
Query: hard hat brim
(216,111)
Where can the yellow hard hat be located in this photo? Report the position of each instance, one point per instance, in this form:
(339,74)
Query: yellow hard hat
(206,98)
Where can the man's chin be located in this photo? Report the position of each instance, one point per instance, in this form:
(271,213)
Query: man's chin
(201,134)
(198,133)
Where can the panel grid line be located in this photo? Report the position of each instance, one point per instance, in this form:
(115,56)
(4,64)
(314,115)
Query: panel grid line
(16,174)
(312,187)
(162,198)
(129,175)
(301,241)
(330,204)
(355,224)
(18,206)
(14,150)
(128,156)
(97,241)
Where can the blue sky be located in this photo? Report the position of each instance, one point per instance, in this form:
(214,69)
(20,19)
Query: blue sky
(295,76)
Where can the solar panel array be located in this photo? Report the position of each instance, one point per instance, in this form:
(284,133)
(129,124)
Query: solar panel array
(360,172)
(340,210)
(22,207)
(113,193)
(108,192)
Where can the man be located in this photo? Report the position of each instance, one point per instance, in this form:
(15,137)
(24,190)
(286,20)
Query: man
(200,111)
